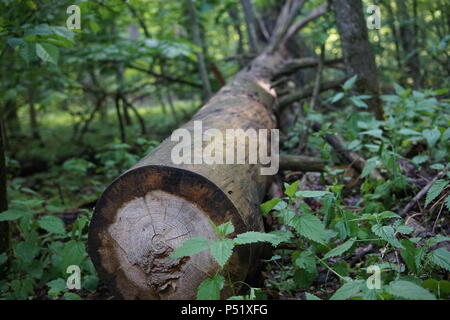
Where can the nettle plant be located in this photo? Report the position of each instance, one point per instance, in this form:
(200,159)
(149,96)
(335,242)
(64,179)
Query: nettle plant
(324,238)
(46,247)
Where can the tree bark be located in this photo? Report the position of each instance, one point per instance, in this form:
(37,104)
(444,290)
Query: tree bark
(250,21)
(357,51)
(4,226)
(408,41)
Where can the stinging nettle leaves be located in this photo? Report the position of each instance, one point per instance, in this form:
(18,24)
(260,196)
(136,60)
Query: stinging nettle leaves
(435,191)
(190,247)
(409,290)
(340,249)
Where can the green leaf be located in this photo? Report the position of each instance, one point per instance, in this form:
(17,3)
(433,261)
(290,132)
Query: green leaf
(56,287)
(11,214)
(348,290)
(307,261)
(432,136)
(371,164)
(267,206)
(340,249)
(435,191)
(71,296)
(52,224)
(190,247)
(418,160)
(47,52)
(210,288)
(447,202)
(310,227)
(350,83)
(359,103)
(291,189)
(26,251)
(252,237)
(224,229)
(310,296)
(386,233)
(411,255)
(337,97)
(73,253)
(221,250)
(441,258)
(311,194)
(409,290)
(437,239)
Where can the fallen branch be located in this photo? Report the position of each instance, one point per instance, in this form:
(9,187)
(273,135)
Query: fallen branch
(301,163)
(294,65)
(421,194)
(288,99)
(352,157)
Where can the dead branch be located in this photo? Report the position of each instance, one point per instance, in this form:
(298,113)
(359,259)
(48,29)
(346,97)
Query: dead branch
(301,163)
(420,195)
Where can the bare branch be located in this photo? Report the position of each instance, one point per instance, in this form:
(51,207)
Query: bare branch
(319,11)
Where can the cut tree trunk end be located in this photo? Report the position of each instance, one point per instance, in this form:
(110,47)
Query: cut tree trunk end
(155,206)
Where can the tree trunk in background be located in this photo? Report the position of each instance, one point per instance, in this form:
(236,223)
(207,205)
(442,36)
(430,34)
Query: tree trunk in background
(157,205)
(12,119)
(250,21)
(391,21)
(34,126)
(4,226)
(408,41)
(236,22)
(357,51)
(200,57)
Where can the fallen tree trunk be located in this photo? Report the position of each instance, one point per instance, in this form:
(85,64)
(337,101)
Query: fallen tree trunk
(155,206)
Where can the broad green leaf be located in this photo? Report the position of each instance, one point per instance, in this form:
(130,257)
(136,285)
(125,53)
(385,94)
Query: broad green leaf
(437,239)
(441,257)
(349,83)
(307,261)
(337,97)
(190,247)
(11,214)
(210,288)
(371,164)
(56,287)
(72,296)
(267,206)
(73,253)
(348,290)
(432,136)
(26,251)
(52,224)
(409,290)
(447,202)
(310,296)
(309,226)
(359,102)
(224,229)
(311,194)
(386,233)
(252,237)
(411,255)
(221,250)
(340,249)
(291,189)
(47,52)
(418,160)
(435,190)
